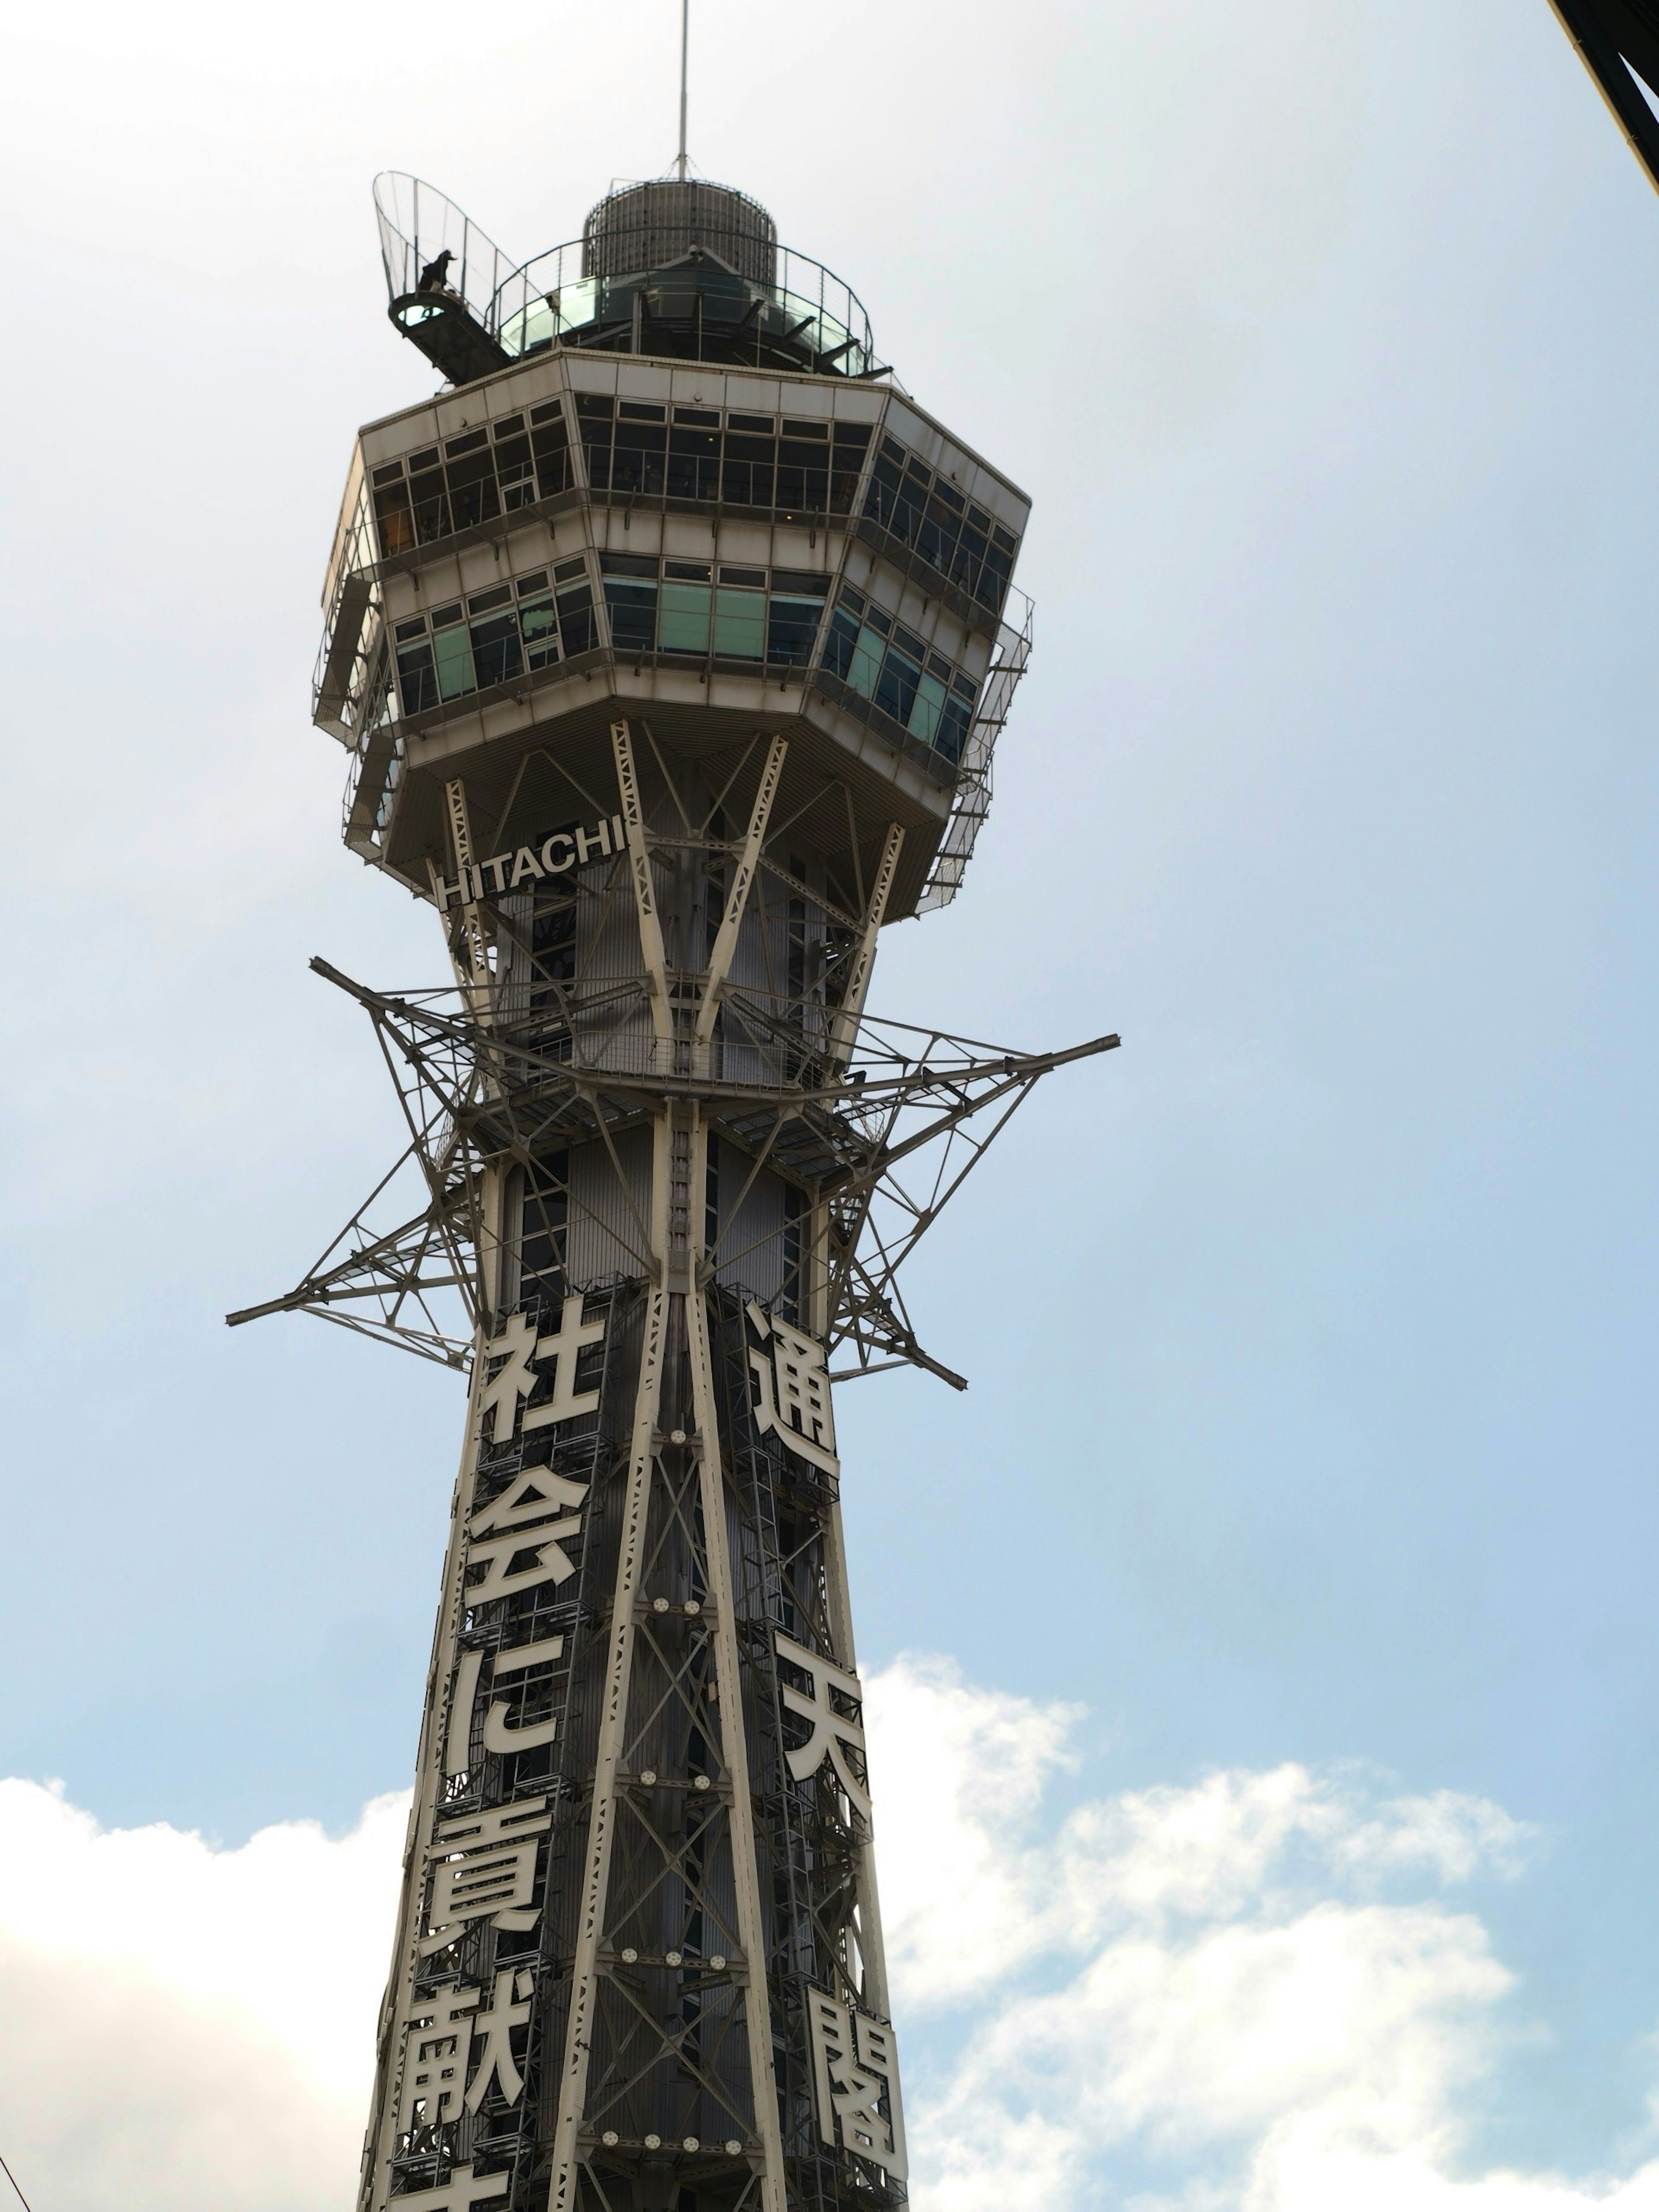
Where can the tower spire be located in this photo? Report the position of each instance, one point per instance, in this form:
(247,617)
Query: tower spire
(686,44)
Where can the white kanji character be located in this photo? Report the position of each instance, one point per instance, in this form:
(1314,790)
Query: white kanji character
(514,1380)
(536,1493)
(561,1347)
(832,1732)
(856,2070)
(484,1865)
(462,2192)
(499,1734)
(496,2060)
(435,2057)
(794,1389)
(498,1402)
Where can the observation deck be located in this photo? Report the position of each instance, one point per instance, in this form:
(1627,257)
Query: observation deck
(669,480)
(678,272)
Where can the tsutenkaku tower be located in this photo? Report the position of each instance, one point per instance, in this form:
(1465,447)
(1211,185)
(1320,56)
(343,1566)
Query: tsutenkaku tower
(670,643)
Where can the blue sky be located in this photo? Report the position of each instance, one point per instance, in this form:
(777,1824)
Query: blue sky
(1312,1417)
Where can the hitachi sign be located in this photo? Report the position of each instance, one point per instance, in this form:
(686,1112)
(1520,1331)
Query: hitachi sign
(509,872)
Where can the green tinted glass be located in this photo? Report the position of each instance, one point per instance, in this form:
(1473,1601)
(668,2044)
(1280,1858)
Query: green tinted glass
(683,622)
(454,652)
(739,624)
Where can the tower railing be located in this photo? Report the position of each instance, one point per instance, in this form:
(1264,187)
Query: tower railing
(807,308)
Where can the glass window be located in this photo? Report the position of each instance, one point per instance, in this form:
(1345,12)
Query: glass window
(739,623)
(393,519)
(495,653)
(954,717)
(537,626)
(797,608)
(969,557)
(637,411)
(840,643)
(764,424)
(895,687)
(803,479)
(431,504)
(992,584)
(929,705)
(453,447)
(694,460)
(594,415)
(578,630)
(631,595)
(637,463)
(514,471)
(936,536)
(452,649)
(472,484)
(684,620)
(852,442)
(882,497)
(546,412)
(552,457)
(853,652)
(702,418)
(417,682)
(747,475)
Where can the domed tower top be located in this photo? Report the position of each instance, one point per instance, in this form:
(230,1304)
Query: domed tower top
(650,226)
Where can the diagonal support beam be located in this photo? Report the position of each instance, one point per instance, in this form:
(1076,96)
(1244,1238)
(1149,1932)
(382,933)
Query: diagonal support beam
(844,1035)
(725,940)
(645,896)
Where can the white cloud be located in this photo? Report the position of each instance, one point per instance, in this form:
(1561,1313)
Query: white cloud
(186,2027)
(1251,1994)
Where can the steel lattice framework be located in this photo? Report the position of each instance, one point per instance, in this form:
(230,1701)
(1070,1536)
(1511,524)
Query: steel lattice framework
(890,1130)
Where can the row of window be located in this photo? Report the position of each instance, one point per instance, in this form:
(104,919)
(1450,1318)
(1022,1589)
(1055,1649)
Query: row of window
(793,467)
(495,636)
(882,661)
(630,447)
(689,610)
(477,477)
(928,512)
(698,610)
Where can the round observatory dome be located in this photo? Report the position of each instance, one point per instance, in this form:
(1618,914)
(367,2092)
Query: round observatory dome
(653,225)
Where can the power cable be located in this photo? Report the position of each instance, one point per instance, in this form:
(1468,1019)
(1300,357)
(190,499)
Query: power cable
(12,2177)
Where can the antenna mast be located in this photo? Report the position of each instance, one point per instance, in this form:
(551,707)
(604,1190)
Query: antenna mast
(685,41)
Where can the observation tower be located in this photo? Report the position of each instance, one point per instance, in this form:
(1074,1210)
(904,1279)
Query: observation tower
(670,645)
